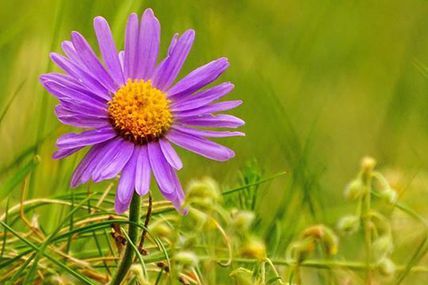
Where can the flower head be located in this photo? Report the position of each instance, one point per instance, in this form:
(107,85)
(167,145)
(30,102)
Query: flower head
(133,110)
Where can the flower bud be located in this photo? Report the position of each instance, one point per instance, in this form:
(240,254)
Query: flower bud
(161,230)
(242,220)
(382,246)
(187,258)
(300,249)
(389,195)
(348,225)
(204,192)
(35,221)
(355,189)
(197,218)
(386,267)
(324,235)
(137,271)
(254,248)
(242,276)
(368,164)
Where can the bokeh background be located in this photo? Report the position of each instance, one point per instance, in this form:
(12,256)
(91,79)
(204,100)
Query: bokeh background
(323,82)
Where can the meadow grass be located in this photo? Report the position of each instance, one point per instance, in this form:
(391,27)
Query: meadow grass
(324,84)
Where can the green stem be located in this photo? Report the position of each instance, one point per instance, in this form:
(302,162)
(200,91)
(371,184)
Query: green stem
(125,263)
(366,209)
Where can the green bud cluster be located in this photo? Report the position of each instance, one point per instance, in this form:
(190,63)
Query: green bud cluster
(368,184)
(348,225)
(203,193)
(300,249)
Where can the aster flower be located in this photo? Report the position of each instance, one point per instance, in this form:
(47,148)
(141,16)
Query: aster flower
(133,112)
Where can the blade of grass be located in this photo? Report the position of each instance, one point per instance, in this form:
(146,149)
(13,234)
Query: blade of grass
(3,114)
(40,253)
(420,252)
(137,252)
(3,245)
(12,260)
(52,259)
(21,270)
(261,181)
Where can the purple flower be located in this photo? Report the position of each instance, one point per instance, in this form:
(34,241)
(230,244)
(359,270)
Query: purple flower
(134,111)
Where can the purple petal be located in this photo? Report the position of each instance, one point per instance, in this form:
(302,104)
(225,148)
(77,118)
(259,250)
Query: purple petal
(166,177)
(125,188)
(218,107)
(65,94)
(179,198)
(169,68)
(200,145)
(170,154)
(218,121)
(119,207)
(62,153)
(83,107)
(131,46)
(208,133)
(89,58)
(202,98)
(162,171)
(81,75)
(149,41)
(108,49)
(172,44)
(114,161)
(91,137)
(199,78)
(68,106)
(71,53)
(73,118)
(70,83)
(122,60)
(142,171)
(94,154)
(97,162)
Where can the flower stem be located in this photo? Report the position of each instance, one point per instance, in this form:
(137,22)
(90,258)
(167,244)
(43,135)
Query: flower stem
(125,263)
(366,209)
(146,225)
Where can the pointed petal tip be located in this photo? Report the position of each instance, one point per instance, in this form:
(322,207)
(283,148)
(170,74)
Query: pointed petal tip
(120,208)
(99,23)
(73,183)
(238,102)
(46,83)
(231,155)
(66,44)
(75,35)
(43,79)
(99,20)
(229,85)
(224,60)
(190,33)
(184,211)
(56,155)
(53,55)
(148,12)
(133,17)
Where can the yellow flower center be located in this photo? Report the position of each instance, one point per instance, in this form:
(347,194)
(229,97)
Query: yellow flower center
(139,112)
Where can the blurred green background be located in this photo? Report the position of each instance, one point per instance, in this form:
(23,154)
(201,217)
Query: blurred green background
(323,82)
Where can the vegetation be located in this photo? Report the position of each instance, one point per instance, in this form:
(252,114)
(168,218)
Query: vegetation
(324,84)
